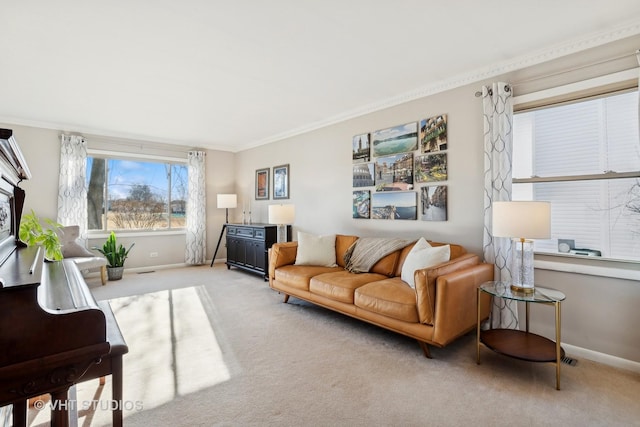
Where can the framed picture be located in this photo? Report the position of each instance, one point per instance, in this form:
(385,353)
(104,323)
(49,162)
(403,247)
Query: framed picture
(431,167)
(394,205)
(363,174)
(281,182)
(361,204)
(398,139)
(262,184)
(433,203)
(433,134)
(361,148)
(394,173)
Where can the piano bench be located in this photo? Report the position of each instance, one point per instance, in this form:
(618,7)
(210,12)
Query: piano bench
(111,363)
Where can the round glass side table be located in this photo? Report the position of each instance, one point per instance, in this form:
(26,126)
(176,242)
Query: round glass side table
(518,344)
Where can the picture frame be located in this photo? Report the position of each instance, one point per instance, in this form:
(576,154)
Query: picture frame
(394,140)
(431,167)
(262,184)
(433,203)
(433,134)
(394,205)
(361,205)
(394,173)
(364,175)
(361,148)
(281,182)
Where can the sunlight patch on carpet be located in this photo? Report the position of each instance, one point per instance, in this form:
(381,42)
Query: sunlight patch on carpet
(173,349)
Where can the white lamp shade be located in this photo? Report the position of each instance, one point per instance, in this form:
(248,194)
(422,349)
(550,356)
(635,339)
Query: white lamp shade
(227,201)
(282,214)
(522,219)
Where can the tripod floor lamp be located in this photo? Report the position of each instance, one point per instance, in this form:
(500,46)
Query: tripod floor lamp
(225,201)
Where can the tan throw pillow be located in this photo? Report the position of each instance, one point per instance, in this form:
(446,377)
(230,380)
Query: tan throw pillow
(423,256)
(316,250)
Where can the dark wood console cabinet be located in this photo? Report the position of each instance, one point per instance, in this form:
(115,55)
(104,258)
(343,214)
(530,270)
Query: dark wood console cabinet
(248,246)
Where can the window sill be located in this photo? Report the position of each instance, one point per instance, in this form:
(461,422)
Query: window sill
(592,266)
(136,233)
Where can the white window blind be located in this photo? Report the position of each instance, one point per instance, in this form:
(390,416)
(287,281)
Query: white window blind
(564,154)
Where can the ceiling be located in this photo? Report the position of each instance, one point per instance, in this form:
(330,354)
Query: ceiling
(231,75)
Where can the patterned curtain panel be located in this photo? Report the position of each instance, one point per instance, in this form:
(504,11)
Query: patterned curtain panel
(196,210)
(497,101)
(638,58)
(72,189)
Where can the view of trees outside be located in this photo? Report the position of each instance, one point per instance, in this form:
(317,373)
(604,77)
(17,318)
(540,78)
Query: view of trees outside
(139,195)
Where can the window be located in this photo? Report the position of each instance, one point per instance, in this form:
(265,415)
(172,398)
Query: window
(139,194)
(583,157)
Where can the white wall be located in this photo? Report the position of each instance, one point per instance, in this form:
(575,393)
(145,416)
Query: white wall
(599,313)
(321,173)
(41,149)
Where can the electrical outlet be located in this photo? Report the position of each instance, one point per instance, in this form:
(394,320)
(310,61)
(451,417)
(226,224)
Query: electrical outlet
(153,254)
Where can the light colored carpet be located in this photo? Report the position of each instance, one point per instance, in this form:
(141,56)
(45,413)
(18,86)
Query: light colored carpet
(221,349)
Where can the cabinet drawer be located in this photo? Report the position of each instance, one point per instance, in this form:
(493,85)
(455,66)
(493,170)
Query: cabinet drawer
(231,231)
(244,232)
(258,233)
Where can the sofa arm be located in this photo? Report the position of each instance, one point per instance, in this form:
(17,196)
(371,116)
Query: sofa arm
(281,254)
(425,281)
(457,299)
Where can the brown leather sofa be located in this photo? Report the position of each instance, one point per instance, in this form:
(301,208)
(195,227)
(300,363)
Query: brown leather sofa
(441,308)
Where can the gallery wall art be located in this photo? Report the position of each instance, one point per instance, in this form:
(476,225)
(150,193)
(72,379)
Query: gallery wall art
(362,204)
(399,171)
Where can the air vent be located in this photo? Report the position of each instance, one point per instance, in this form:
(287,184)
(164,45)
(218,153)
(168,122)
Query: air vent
(569,361)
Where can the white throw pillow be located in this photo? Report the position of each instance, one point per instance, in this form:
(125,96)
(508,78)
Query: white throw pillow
(423,255)
(316,250)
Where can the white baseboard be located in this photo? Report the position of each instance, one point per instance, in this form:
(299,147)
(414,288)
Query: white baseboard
(605,359)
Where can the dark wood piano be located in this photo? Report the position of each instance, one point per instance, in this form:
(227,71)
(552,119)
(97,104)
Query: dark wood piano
(51,329)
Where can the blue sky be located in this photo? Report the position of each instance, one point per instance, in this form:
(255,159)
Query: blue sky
(124,173)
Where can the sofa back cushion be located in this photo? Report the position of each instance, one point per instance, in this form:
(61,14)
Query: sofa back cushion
(343,243)
(387,265)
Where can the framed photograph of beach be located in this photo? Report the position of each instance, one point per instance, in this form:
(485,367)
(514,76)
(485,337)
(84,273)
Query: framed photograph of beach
(433,203)
(262,184)
(394,173)
(433,134)
(363,175)
(394,205)
(361,204)
(361,148)
(281,182)
(431,167)
(397,139)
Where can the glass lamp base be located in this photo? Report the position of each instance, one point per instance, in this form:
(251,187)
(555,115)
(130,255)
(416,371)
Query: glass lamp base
(282,233)
(522,266)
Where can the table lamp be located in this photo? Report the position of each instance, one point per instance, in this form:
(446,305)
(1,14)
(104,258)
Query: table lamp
(227,201)
(282,215)
(521,221)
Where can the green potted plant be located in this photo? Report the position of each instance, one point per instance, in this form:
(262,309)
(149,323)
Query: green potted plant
(32,233)
(115,255)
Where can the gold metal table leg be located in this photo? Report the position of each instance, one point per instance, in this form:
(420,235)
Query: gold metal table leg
(478,328)
(558,327)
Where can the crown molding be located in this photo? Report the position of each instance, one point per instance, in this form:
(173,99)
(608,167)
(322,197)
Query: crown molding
(534,58)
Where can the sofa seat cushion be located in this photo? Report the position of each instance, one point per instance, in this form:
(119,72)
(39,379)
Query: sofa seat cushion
(298,276)
(340,286)
(390,297)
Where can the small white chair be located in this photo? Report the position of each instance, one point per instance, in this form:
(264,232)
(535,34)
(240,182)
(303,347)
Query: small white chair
(81,256)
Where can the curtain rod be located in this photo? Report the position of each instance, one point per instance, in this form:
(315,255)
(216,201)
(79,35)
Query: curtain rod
(559,73)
